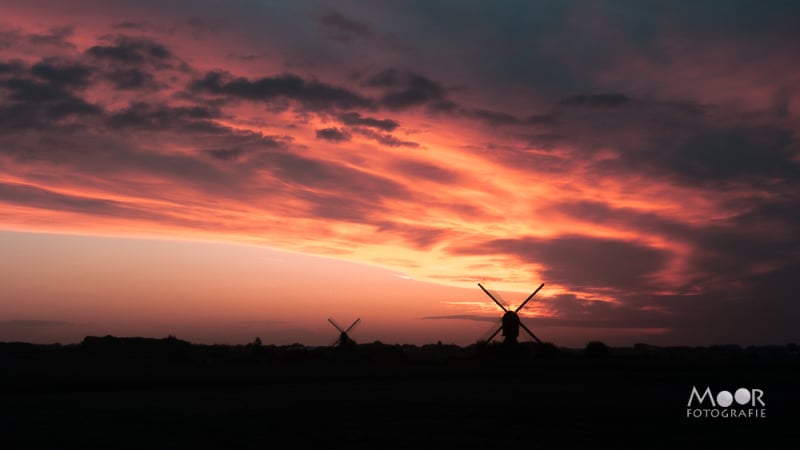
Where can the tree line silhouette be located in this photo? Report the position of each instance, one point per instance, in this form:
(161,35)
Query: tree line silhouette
(172,349)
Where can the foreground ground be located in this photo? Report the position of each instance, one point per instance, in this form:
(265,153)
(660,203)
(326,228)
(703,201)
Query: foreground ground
(69,398)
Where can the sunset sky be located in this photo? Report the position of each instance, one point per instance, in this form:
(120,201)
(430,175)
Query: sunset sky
(225,170)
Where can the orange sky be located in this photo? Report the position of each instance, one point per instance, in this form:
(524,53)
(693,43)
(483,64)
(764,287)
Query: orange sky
(384,155)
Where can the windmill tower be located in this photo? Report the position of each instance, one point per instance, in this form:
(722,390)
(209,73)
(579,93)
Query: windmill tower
(344,339)
(510,322)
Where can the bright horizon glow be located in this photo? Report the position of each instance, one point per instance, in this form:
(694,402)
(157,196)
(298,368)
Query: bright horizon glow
(190,288)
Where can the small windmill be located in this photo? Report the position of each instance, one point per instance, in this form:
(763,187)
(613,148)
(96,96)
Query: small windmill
(344,339)
(510,322)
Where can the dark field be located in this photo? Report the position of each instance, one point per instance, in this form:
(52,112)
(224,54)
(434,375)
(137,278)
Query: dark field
(154,394)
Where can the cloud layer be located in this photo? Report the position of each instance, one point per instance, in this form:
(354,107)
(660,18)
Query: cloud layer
(643,162)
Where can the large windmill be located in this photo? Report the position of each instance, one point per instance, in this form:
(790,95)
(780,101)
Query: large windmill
(510,322)
(344,339)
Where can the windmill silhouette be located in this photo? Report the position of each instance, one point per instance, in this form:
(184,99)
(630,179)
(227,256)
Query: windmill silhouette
(510,322)
(344,339)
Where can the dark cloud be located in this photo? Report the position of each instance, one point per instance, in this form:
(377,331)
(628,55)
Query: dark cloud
(613,101)
(448,107)
(72,107)
(345,29)
(573,307)
(225,154)
(736,154)
(687,108)
(49,96)
(720,316)
(736,247)
(475,317)
(333,135)
(34,323)
(622,218)
(130,25)
(536,159)
(55,37)
(405,89)
(596,101)
(356,119)
(492,118)
(489,117)
(386,78)
(28,90)
(313,95)
(113,153)
(31,102)
(131,50)
(721,253)
(419,90)
(345,181)
(678,141)
(779,213)
(189,169)
(385,138)
(63,73)
(760,313)
(159,117)
(570,310)
(420,237)
(545,322)
(50,91)
(71,74)
(688,151)
(11,67)
(129,79)
(32,196)
(581,262)
(423,170)
(9,38)
(332,206)
(204,27)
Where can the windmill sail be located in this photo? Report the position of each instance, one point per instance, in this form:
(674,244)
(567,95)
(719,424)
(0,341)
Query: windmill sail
(510,322)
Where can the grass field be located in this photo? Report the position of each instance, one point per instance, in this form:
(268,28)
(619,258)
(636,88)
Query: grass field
(71,400)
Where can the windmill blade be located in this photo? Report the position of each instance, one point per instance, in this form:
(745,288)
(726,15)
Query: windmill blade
(529,297)
(353,326)
(501,299)
(529,332)
(335,325)
(492,332)
(492,297)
